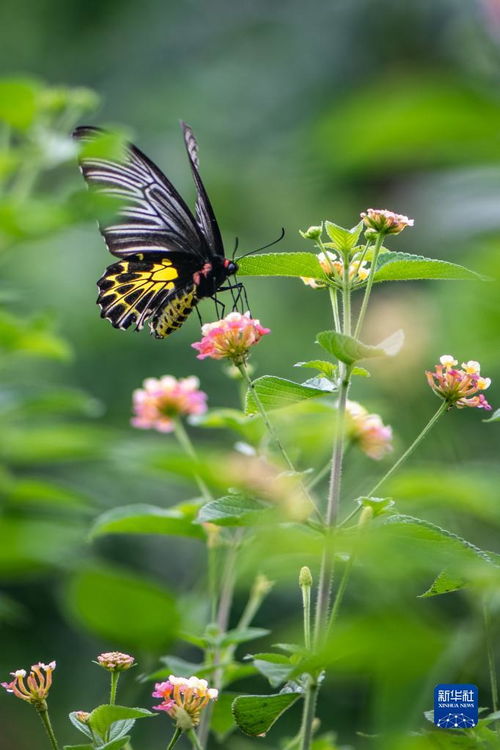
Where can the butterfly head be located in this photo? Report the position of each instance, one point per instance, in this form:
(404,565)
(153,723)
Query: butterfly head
(230,267)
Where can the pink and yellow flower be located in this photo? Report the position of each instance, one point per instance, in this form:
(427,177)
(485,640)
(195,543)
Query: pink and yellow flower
(457,387)
(368,431)
(230,338)
(381,221)
(183,699)
(161,401)
(333,266)
(115,661)
(33,688)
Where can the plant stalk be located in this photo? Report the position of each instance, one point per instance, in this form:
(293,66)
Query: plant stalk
(44,716)
(194,739)
(309,713)
(175,737)
(364,305)
(186,444)
(491,658)
(115,676)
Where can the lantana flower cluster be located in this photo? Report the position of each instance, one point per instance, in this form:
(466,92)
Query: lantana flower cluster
(459,387)
(382,221)
(333,266)
(368,431)
(162,400)
(230,338)
(115,661)
(33,687)
(183,699)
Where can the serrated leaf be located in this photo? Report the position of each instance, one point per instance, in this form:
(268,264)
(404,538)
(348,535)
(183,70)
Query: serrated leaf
(444,583)
(149,519)
(113,745)
(278,393)
(80,725)
(256,714)
(407,267)
(282,264)
(234,510)
(343,239)
(102,717)
(328,369)
(349,350)
(276,668)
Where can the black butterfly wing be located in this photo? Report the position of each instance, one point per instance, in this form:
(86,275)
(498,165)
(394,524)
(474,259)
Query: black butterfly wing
(137,288)
(205,215)
(153,217)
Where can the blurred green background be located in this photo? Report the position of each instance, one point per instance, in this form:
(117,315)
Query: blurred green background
(302,112)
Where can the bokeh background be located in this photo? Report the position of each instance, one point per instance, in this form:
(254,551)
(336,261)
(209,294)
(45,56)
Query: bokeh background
(303,112)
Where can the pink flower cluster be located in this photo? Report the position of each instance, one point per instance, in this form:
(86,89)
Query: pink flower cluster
(368,431)
(161,400)
(230,338)
(381,221)
(184,698)
(115,661)
(37,685)
(459,387)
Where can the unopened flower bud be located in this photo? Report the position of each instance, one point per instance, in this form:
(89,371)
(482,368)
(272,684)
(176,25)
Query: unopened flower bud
(115,661)
(305,577)
(262,586)
(313,233)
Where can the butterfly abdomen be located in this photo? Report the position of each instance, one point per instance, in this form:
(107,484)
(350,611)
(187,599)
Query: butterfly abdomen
(174,312)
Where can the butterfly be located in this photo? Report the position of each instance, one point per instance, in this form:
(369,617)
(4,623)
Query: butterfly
(169,259)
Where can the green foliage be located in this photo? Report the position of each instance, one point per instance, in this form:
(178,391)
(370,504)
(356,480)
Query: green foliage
(235,510)
(407,267)
(149,519)
(278,393)
(102,718)
(349,350)
(106,600)
(256,714)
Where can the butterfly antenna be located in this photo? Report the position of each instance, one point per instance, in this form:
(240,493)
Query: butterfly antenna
(236,243)
(264,247)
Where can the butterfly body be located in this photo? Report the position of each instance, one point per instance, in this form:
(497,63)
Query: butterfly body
(169,260)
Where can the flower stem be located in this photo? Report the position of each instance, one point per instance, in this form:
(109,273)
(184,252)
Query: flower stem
(115,676)
(272,432)
(430,424)
(369,284)
(309,713)
(194,739)
(491,658)
(176,735)
(44,716)
(306,604)
(186,444)
(335,308)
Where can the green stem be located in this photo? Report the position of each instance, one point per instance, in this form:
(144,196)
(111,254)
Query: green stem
(306,604)
(491,658)
(176,735)
(273,434)
(340,593)
(115,676)
(309,713)
(212,580)
(335,308)
(194,739)
(44,716)
(188,447)
(430,424)
(369,284)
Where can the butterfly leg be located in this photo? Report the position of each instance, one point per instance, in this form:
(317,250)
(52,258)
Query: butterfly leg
(199,315)
(220,308)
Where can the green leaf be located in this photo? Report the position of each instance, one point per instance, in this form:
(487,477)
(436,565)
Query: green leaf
(18,101)
(234,510)
(231,419)
(149,519)
(343,240)
(349,350)
(407,267)
(242,635)
(278,393)
(32,337)
(275,667)
(256,714)
(102,717)
(40,493)
(445,583)
(495,417)
(122,607)
(360,372)
(328,369)
(80,725)
(282,264)
(29,545)
(113,745)
(222,723)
